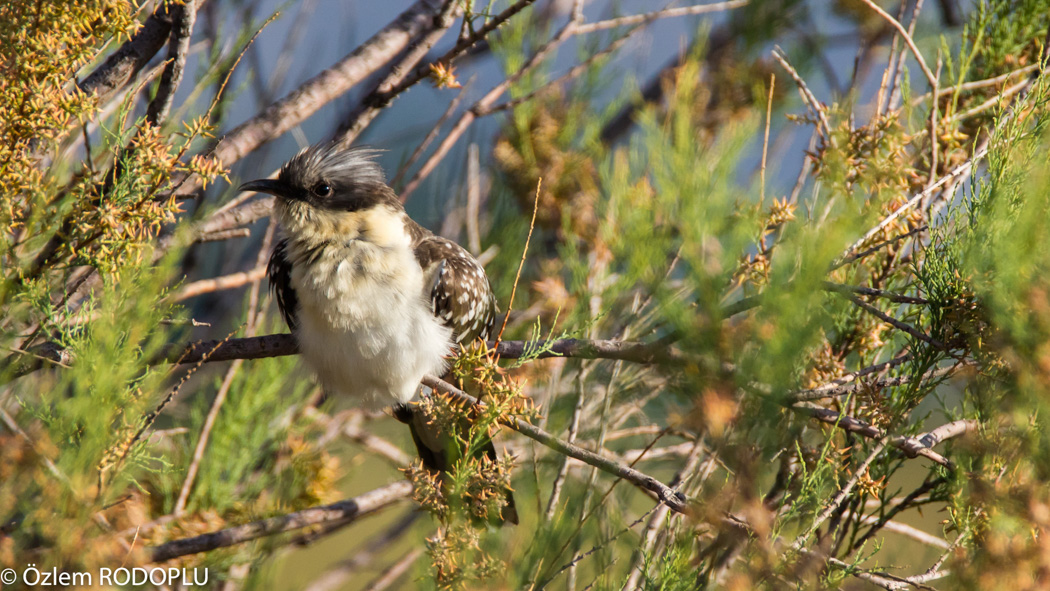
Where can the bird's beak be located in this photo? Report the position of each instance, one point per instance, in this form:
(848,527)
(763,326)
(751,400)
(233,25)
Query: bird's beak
(271,186)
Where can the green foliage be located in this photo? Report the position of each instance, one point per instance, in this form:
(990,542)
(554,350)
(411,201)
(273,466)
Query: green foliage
(790,331)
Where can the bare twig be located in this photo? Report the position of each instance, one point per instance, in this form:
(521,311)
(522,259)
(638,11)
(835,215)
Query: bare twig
(635,19)
(960,171)
(390,576)
(337,577)
(675,500)
(343,512)
(907,39)
(911,446)
(877,247)
(222,283)
(223,235)
(871,291)
(521,263)
(902,326)
(320,90)
(765,139)
(472,114)
(807,95)
(183,15)
(433,133)
(390,86)
(840,496)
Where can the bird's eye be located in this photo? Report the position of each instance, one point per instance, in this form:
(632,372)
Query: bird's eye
(321,189)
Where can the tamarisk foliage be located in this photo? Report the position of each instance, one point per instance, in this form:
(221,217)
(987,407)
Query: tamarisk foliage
(783,321)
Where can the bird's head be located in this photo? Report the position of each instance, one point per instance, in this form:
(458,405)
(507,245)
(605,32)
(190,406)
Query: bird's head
(325,191)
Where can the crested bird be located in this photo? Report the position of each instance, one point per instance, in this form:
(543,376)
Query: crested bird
(374,300)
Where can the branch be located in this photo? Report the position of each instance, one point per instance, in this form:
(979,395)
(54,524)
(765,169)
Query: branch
(902,326)
(184,16)
(648,17)
(907,39)
(391,85)
(676,501)
(282,345)
(342,512)
(840,496)
(960,171)
(327,86)
(221,283)
(919,445)
(126,62)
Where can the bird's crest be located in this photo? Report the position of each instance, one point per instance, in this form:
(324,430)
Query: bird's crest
(346,167)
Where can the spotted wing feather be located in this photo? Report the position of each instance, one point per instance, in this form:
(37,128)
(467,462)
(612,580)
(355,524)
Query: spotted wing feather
(460,294)
(280,273)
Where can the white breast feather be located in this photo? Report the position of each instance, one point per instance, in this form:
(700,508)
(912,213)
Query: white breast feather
(364,321)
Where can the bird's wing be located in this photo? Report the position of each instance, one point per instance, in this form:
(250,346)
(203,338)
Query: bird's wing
(280,272)
(459,290)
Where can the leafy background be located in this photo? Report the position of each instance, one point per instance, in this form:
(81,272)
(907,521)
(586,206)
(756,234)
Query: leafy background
(801,250)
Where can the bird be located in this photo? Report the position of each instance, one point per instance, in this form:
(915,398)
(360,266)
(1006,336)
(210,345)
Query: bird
(374,300)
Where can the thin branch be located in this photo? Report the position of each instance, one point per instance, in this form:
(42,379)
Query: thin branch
(184,15)
(907,39)
(675,500)
(433,133)
(342,512)
(390,86)
(574,426)
(121,67)
(911,446)
(221,283)
(871,291)
(902,326)
(390,576)
(341,574)
(839,497)
(281,345)
(648,17)
(224,235)
(376,444)
(976,84)
(853,257)
(521,263)
(807,95)
(960,171)
(472,114)
(907,530)
(322,89)
(832,388)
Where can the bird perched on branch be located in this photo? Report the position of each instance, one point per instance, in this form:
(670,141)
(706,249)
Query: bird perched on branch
(374,300)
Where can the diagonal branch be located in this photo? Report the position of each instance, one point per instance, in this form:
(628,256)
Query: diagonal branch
(390,86)
(121,67)
(341,512)
(676,501)
(320,90)
(907,39)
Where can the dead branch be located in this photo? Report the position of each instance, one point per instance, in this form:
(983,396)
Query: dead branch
(183,15)
(224,282)
(920,445)
(320,90)
(121,67)
(676,501)
(648,17)
(342,512)
(391,85)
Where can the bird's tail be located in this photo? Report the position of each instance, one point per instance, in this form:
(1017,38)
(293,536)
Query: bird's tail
(436,450)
